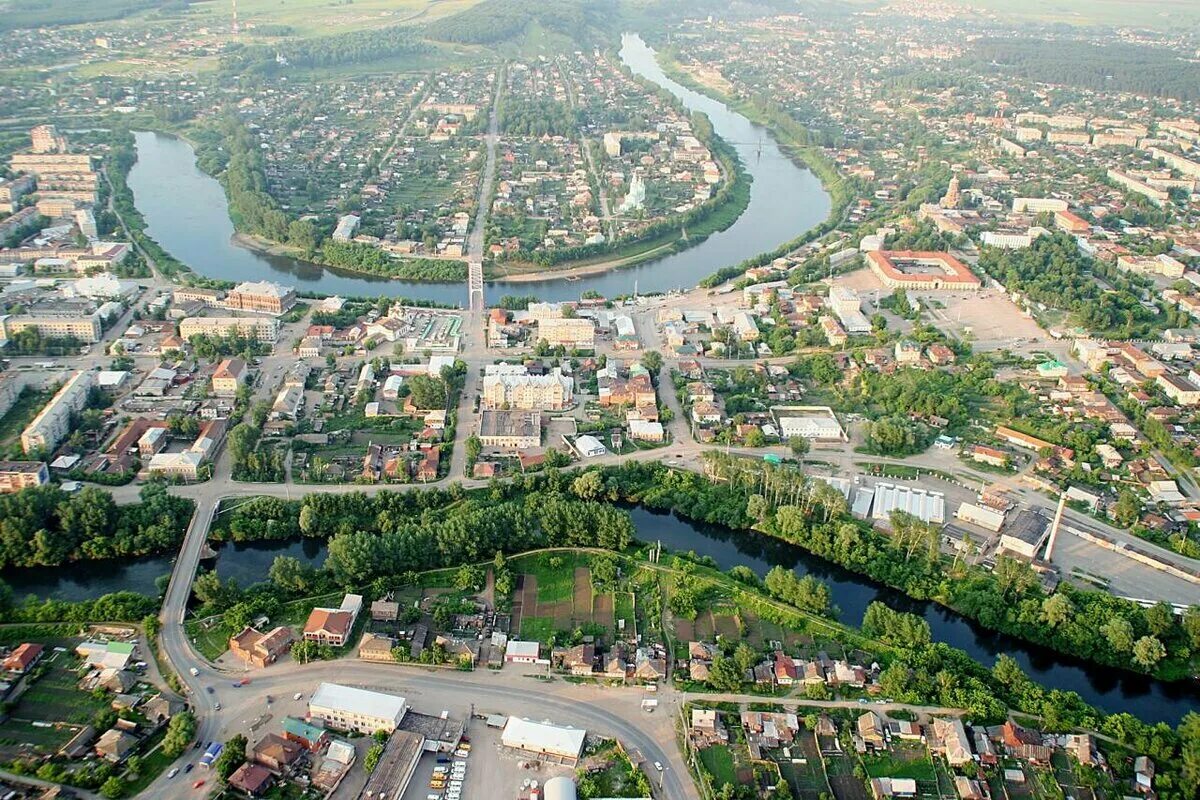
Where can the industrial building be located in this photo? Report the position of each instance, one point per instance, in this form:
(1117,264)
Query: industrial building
(885,498)
(1025,535)
(510,430)
(543,740)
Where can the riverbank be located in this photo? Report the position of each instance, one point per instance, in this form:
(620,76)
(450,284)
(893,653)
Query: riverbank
(788,134)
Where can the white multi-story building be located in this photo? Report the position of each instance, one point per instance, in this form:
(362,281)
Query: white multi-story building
(264,329)
(53,423)
(361,710)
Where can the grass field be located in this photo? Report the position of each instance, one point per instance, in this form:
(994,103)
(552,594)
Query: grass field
(718,760)
(900,765)
(23,411)
(1159,14)
(323,17)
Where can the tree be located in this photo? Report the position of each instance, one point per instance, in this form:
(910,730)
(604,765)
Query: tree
(1148,651)
(1119,633)
(1128,509)
(1189,737)
(372,758)
(744,657)
(724,674)
(1191,626)
(1160,618)
(180,731)
(113,788)
(588,486)
(652,360)
(232,757)
(1057,609)
(800,446)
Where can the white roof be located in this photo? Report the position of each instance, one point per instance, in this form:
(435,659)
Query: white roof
(924,505)
(542,737)
(589,444)
(358,701)
(518,649)
(111,377)
(339,751)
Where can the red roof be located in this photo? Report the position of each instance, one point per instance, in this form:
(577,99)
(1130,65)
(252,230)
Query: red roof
(954,271)
(23,657)
(324,620)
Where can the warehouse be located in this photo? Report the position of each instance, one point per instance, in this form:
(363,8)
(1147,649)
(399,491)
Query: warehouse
(986,518)
(1025,535)
(562,745)
(924,505)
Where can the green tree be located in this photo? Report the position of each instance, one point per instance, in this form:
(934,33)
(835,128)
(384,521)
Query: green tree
(180,732)
(1057,609)
(232,757)
(1119,633)
(113,788)
(1148,651)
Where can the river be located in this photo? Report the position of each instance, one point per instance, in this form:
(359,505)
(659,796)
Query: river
(1112,690)
(186,212)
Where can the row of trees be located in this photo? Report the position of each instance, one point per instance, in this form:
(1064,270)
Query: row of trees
(45,526)
(369,259)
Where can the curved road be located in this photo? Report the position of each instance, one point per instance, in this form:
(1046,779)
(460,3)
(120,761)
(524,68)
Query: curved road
(609,712)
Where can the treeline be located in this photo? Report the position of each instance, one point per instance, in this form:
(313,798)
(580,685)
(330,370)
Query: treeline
(48,13)
(495,21)
(120,159)
(358,257)
(538,116)
(392,533)
(251,208)
(1053,271)
(45,526)
(356,47)
(1121,67)
(1092,625)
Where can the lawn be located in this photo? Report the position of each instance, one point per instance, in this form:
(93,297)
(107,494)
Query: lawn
(537,629)
(718,760)
(887,765)
(210,641)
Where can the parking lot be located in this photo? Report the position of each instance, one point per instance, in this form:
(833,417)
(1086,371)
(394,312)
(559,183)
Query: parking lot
(492,770)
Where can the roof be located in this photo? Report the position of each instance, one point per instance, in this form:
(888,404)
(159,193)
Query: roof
(953,271)
(358,701)
(519,649)
(302,729)
(250,777)
(328,620)
(542,737)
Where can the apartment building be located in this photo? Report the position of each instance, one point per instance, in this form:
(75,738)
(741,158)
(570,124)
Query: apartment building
(86,328)
(53,422)
(46,139)
(551,392)
(228,377)
(18,475)
(12,190)
(570,332)
(1157,196)
(260,328)
(11,385)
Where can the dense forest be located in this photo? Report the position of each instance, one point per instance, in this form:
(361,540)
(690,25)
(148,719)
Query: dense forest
(495,21)
(43,13)
(356,47)
(48,527)
(372,260)
(391,533)
(528,116)
(1122,67)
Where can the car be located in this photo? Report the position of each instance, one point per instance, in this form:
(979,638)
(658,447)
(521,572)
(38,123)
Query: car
(209,689)
(862,701)
(443,760)
(433,797)
(194,671)
(198,784)
(217,706)
(174,771)
(268,699)
(658,766)
(297,695)
(189,768)
(465,746)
